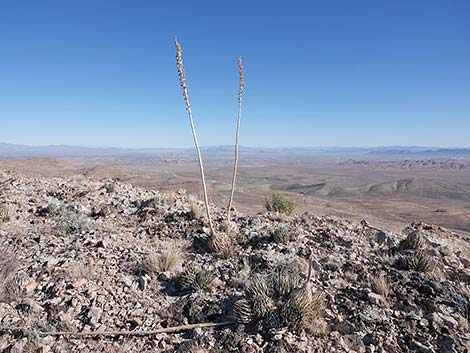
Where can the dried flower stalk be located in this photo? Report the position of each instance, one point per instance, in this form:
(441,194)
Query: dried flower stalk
(241,87)
(182,78)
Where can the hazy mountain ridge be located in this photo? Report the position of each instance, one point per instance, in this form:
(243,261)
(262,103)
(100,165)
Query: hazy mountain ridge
(8,150)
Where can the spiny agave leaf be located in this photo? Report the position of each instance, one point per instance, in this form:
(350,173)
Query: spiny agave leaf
(242,311)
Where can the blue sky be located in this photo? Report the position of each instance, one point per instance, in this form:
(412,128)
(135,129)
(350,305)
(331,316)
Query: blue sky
(318,73)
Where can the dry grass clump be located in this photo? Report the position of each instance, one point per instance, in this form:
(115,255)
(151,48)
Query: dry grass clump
(414,241)
(379,285)
(12,279)
(196,211)
(195,279)
(166,261)
(419,261)
(281,203)
(4,214)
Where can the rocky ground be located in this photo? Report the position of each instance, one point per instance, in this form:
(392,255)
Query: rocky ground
(81,255)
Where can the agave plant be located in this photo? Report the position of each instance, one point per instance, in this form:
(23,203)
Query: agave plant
(419,261)
(258,293)
(243,311)
(414,240)
(303,304)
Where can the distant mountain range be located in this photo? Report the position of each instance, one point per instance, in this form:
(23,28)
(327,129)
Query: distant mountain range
(63,151)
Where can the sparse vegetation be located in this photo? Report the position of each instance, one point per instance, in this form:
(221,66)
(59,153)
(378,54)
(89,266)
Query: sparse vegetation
(109,188)
(379,285)
(77,278)
(70,222)
(4,214)
(9,268)
(166,261)
(281,203)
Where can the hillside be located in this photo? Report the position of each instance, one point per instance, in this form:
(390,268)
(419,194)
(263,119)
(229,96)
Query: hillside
(84,254)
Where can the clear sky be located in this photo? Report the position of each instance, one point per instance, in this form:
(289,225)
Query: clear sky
(318,73)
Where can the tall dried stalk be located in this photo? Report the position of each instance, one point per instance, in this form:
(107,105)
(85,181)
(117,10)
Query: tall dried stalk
(241,86)
(182,78)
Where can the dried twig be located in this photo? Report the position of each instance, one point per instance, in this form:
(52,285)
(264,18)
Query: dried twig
(118,333)
(241,71)
(182,77)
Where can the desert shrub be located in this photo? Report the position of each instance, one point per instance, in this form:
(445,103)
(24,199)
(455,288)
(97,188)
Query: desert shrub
(280,202)
(166,261)
(4,214)
(51,209)
(109,188)
(379,285)
(70,222)
(282,234)
(194,279)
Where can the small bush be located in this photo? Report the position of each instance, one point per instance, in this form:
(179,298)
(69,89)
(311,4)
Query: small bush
(109,188)
(379,285)
(280,202)
(4,214)
(70,222)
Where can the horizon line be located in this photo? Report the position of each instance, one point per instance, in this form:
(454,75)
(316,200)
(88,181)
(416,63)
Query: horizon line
(230,145)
